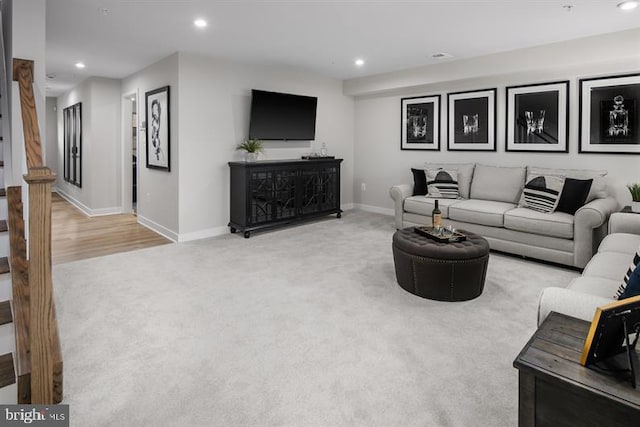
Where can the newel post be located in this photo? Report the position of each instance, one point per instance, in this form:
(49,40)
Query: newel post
(41,327)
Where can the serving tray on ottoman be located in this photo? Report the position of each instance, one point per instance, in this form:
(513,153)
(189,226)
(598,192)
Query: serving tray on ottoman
(444,238)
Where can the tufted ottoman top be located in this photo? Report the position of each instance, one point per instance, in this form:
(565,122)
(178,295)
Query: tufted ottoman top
(409,241)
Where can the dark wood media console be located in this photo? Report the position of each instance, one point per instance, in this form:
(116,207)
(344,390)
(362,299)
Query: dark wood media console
(274,193)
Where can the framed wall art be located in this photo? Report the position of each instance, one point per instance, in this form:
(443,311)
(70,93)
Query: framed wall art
(538,117)
(471,120)
(420,123)
(158,129)
(610,115)
(72,121)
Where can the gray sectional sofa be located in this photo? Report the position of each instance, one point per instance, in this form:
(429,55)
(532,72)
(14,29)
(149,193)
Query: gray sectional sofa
(488,205)
(601,277)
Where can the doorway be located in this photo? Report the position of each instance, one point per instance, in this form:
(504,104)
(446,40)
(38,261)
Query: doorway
(130,151)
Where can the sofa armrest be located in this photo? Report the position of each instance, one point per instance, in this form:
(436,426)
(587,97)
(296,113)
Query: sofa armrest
(621,222)
(569,302)
(398,193)
(590,227)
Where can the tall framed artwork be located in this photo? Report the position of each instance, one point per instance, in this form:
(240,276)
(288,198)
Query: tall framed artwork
(610,114)
(420,123)
(471,120)
(72,156)
(158,129)
(538,117)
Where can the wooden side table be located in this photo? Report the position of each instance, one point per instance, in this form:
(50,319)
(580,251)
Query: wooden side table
(555,390)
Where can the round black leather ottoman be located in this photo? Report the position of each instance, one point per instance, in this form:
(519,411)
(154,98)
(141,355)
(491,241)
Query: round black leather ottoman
(440,271)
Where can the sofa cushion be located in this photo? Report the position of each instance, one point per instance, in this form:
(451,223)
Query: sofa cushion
(424,206)
(598,187)
(419,182)
(483,212)
(608,265)
(542,193)
(442,183)
(625,243)
(594,286)
(574,195)
(465,173)
(556,224)
(497,183)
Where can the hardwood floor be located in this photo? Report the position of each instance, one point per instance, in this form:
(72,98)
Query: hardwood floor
(75,236)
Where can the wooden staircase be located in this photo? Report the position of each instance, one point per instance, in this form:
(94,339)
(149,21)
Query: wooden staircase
(38,357)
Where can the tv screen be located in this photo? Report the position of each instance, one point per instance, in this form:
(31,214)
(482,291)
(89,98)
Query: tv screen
(282,116)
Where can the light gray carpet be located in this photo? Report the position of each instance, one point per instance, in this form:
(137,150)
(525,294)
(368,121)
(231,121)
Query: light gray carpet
(304,326)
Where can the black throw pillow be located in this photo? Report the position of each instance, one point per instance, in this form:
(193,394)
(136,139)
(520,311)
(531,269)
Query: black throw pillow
(574,195)
(419,182)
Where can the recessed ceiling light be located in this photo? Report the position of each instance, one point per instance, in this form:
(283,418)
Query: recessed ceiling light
(567,7)
(628,5)
(133,99)
(51,76)
(200,23)
(80,65)
(359,62)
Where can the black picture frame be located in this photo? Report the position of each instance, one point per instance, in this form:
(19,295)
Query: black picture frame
(609,116)
(537,118)
(72,156)
(471,120)
(420,123)
(158,129)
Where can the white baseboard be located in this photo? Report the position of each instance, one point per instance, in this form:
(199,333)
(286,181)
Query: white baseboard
(374,209)
(85,209)
(346,207)
(160,229)
(203,234)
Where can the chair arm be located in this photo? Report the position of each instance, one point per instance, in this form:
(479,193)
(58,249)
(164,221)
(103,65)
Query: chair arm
(398,193)
(623,222)
(591,216)
(569,302)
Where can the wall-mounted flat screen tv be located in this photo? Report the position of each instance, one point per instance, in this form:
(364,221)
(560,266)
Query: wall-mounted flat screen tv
(282,116)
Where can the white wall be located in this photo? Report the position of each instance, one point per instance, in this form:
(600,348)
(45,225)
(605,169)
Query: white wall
(51,134)
(101,148)
(26,41)
(215,98)
(380,163)
(157,190)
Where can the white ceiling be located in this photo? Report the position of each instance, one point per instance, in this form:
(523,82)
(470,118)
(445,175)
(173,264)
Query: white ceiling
(323,36)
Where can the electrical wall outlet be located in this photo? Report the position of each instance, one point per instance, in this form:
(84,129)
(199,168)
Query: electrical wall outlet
(363,187)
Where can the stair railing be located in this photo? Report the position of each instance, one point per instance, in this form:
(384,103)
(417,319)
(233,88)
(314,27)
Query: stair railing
(43,343)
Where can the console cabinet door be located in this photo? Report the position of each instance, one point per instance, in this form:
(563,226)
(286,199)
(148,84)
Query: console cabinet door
(271,195)
(319,189)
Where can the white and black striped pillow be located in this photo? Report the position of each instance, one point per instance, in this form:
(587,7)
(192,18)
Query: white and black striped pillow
(625,282)
(542,192)
(442,184)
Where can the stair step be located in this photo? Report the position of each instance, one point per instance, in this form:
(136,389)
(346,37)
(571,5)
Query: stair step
(4,265)
(3,225)
(5,313)
(7,373)
(3,192)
